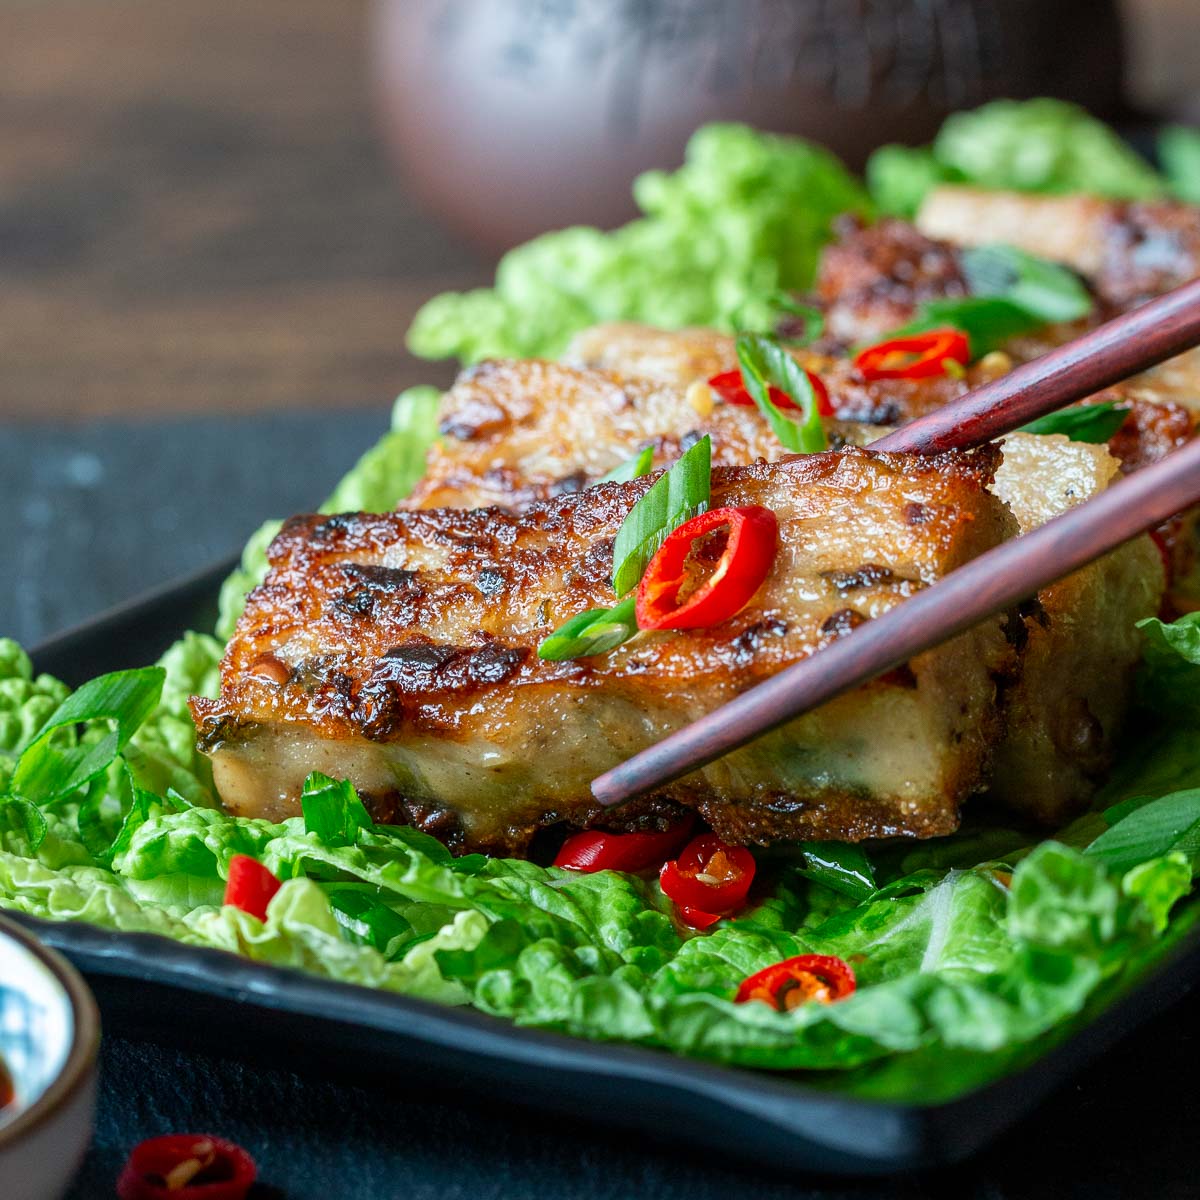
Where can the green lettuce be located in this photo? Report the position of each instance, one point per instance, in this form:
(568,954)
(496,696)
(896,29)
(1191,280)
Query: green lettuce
(1179,153)
(1042,145)
(162,754)
(26,701)
(970,951)
(959,960)
(744,217)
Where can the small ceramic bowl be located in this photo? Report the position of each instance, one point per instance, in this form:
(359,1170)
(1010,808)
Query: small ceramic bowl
(49,1036)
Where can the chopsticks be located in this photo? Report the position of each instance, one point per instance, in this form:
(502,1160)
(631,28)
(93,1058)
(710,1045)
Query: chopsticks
(1111,352)
(997,579)
(990,583)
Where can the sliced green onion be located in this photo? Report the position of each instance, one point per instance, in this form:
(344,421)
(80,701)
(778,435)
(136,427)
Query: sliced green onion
(48,769)
(841,866)
(366,920)
(1179,152)
(114,808)
(765,363)
(763,314)
(640,464)
(1011,293)
(1141,829)
(332,810)
(1043,289)
(676,496)
(1087,423)
(26,817)
(591,632)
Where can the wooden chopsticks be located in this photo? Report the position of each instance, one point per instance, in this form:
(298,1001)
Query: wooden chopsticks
(1133,342)
(994,581)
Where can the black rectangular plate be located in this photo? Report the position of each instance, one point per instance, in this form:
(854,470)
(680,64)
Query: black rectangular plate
(153,987)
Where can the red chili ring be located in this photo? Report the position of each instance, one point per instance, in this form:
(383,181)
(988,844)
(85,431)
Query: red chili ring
(227,1173)
(932,350)
(732,872)
(731,388)
(250,886)
(811,978)
(744,563)
(696,919)
(595,850)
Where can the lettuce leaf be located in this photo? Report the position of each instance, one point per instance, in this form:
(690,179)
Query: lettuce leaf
(162,754)
(25,702)
(743,217)
(1041,145)
(301,931)
(959,961)
(971,952)
(1179,152)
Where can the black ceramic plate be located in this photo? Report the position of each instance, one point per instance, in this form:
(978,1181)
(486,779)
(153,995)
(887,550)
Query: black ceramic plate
(152,987)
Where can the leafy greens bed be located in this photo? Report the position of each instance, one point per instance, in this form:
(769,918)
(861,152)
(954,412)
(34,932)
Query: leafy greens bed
(968,950)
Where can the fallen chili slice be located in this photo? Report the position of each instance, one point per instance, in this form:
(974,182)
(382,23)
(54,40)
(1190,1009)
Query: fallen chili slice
(666,597)
(708,880)
(807,978)
(186,1166)
(250,886)
(595,850)
(697,919)
(917,356)
(732,389)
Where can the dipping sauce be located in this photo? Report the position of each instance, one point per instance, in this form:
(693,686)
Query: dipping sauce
(7,1094)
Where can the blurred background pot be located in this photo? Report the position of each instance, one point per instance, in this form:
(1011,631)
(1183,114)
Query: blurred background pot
(49,1038)
(516,116)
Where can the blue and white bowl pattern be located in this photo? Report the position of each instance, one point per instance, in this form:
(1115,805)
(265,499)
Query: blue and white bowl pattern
(36,1025)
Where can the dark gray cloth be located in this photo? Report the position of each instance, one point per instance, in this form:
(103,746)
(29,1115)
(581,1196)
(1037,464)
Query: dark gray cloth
(95,513)
(99,512)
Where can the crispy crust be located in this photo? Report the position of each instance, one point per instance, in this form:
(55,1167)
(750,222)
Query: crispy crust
(377,635)
(873,278)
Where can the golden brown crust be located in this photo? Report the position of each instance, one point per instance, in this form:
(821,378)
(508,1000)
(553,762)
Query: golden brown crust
(1127,251)
(1148,247)
(420,628)
(874,278)
(1152,430)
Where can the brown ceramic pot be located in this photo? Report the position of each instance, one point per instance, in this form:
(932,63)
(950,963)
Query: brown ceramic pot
(516,116)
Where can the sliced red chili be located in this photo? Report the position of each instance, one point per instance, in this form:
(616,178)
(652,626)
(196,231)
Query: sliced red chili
(594,850)
(807,978)
(250,886)
(697,919)
(186,1166)
(919,356)
(731,388)
(709,877)
(744,563)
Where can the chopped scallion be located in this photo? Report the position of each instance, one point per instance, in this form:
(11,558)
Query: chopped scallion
(591,632)
(676,496)
(640,464)
(765,363)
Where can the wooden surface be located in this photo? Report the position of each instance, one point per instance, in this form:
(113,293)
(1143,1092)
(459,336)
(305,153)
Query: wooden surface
(196,215)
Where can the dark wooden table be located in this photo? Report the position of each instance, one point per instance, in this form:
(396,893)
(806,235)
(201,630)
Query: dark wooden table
(195,213)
